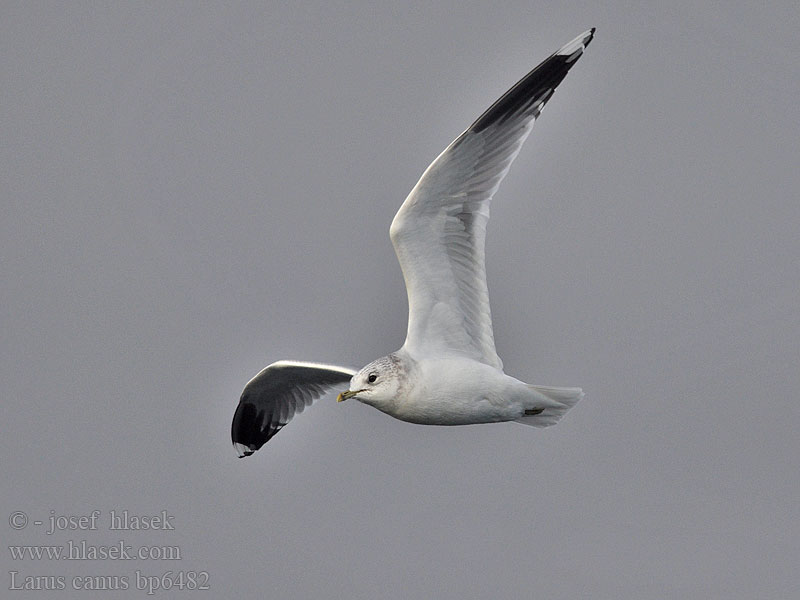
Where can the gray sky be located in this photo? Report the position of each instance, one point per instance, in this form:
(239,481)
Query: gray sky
(191,192)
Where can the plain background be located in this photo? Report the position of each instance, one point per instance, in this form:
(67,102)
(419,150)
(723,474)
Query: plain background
(192,191)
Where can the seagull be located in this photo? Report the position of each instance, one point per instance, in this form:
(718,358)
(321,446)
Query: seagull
(447,372)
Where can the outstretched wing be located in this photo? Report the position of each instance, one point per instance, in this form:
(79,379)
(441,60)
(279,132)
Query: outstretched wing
(275,395)
(439,231)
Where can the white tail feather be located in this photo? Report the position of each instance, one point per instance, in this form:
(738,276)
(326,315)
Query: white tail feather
(557,401)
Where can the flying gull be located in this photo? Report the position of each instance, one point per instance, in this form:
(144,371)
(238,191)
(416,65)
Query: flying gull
(448,371)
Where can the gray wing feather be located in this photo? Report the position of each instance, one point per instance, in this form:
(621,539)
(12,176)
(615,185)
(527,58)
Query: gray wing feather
(279,392)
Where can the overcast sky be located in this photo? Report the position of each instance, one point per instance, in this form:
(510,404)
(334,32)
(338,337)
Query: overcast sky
(190,192)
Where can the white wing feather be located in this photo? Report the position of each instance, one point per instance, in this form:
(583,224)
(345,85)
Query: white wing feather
(440,230)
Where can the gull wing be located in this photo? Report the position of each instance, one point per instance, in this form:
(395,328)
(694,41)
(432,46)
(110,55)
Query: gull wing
(275,395)
(439,232)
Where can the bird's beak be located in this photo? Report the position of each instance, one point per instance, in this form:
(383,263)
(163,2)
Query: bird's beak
(345,395)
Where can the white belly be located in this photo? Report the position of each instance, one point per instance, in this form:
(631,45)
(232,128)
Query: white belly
(457,391)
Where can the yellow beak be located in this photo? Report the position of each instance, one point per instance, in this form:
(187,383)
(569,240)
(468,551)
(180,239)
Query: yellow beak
(345,395)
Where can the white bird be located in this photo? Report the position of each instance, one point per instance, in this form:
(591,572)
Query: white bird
(447,371)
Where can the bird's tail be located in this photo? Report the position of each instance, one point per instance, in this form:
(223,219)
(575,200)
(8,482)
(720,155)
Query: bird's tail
(551,404)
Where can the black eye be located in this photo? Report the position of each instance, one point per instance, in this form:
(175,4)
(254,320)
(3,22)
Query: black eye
(373,377)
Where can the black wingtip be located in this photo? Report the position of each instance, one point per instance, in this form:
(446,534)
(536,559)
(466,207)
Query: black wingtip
(243,450)
(576,47)
(250,429)
(533,91)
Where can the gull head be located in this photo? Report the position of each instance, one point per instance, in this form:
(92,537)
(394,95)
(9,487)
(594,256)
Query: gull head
(378,384)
